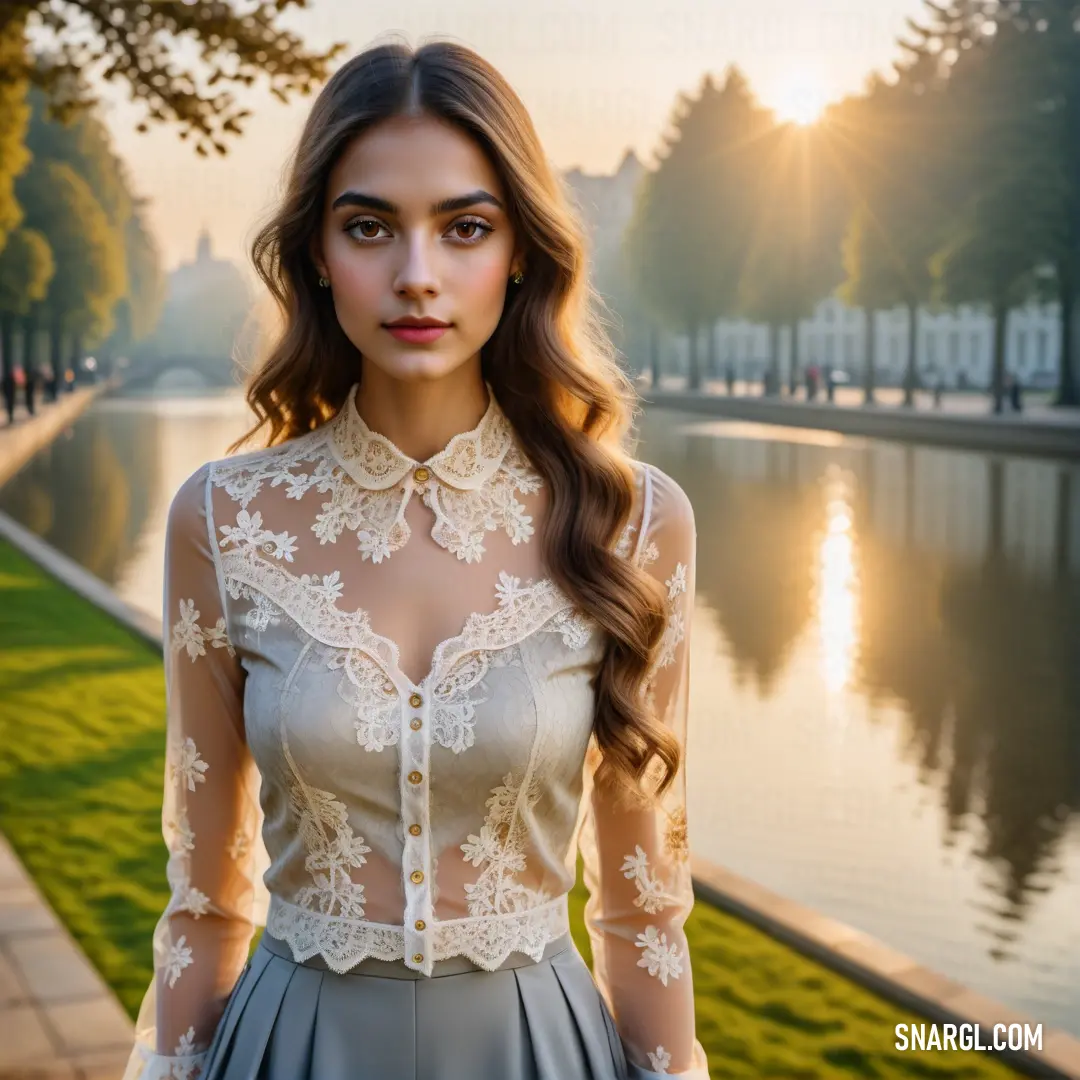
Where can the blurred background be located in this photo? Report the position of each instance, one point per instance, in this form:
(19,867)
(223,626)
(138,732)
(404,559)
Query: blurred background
(859,208)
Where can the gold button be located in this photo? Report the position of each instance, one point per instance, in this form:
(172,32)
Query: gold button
(416,723)
(415,700)
(420,924)
(415,777)
(418,958)
(416,877)
(421,474)
(415,830)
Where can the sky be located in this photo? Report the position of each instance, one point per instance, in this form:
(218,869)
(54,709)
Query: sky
(598,77)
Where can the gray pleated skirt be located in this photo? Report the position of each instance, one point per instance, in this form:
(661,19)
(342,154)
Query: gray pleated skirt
(528,1020)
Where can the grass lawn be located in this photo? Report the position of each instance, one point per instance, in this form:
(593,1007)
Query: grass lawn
(81,759)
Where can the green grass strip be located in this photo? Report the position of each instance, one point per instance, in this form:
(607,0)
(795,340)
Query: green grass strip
(82,703)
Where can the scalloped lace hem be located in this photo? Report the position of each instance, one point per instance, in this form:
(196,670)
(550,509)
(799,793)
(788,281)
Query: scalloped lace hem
(144,1064)
(486,941)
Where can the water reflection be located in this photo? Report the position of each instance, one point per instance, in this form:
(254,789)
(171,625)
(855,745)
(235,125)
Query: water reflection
(836,586)
(91,492)
(888,649)
(100,493)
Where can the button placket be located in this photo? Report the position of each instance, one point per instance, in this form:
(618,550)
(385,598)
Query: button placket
(416,854)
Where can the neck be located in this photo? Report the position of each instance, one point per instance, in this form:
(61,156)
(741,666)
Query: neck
(420,417)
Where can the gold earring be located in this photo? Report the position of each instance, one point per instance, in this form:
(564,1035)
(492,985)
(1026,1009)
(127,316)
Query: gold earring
(518,278)
(324,282)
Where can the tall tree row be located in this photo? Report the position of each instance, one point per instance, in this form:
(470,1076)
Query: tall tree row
(955,181)
(78,267)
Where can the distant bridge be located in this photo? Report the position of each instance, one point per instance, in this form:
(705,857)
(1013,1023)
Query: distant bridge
(216,370)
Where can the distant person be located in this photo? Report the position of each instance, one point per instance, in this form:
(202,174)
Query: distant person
(419,410)
(1016,393)
(8,385)
(830,385)
(31,389)
(729,376)
(939,389)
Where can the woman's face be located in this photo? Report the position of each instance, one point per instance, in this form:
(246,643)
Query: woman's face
(390,251)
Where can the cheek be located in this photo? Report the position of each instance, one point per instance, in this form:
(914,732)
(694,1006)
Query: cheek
(487,283)
(359,280)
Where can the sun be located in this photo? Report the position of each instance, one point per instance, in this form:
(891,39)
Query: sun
(801,99)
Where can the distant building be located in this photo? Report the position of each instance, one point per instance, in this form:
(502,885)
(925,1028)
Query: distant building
(606,202)
(207,303)
(956,343)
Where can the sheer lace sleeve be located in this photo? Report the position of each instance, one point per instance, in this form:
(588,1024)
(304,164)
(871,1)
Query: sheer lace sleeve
(210,813)
(637,867)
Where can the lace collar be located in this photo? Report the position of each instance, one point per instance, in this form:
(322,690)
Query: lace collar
(468,485)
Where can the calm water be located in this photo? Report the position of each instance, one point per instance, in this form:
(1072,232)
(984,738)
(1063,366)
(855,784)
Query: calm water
(886,667)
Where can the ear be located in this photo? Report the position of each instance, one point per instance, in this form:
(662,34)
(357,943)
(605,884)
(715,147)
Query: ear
(315,251)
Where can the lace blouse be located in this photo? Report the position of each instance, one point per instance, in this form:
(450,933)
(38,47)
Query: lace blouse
(379,733)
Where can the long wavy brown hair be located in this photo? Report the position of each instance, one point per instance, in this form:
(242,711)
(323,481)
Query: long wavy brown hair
(550,361)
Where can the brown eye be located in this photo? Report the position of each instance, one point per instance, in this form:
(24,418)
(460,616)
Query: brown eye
(480,229)
(360,228)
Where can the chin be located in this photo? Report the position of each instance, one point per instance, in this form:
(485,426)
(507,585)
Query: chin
(416,365)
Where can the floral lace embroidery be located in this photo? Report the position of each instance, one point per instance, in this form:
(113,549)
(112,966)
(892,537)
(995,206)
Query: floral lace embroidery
(650,888)
(188,634)
(676,839)
(186,1045)
(663,960)
(675,628)
(179,957)
(660,1060)
(185,897)
(332,849)
(183,839)
(374,698)
(185,762)
(500,849)
(240,846)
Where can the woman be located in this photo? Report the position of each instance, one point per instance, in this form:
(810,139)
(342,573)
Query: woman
(437,623)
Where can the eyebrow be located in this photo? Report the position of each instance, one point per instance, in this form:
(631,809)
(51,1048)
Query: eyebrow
(457,202)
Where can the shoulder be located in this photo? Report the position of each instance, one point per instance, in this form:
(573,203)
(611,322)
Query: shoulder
(664,504)
(240,475)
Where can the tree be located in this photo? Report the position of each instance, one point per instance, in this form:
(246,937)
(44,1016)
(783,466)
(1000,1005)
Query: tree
(687,240)
(1047,94)
(888,146)
(26,268)
(791,262)
(1007,185)
(138,311)
(89,276)
(136,41)
(14,114)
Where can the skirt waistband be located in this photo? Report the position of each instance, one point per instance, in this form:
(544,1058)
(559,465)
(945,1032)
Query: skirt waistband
(397,969)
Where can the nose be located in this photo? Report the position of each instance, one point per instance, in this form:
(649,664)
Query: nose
(416,276)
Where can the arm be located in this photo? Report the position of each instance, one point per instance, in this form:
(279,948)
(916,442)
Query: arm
(209,811)
(637,867)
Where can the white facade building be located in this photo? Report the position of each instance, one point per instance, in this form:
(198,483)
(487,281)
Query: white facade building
(958,343)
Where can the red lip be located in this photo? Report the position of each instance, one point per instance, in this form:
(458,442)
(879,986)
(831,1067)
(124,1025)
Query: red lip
(411,320)
(417,335)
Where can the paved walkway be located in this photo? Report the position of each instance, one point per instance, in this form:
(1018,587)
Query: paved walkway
(1036,404)
(58,1019)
